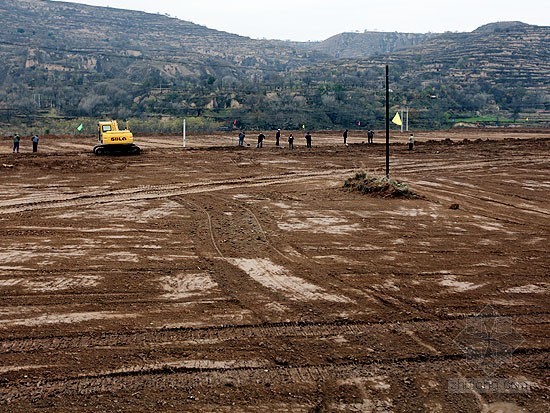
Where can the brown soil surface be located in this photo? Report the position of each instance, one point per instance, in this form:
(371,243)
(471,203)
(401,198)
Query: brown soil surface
(215,278)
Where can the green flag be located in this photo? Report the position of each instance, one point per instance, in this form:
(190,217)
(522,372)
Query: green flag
(80,127)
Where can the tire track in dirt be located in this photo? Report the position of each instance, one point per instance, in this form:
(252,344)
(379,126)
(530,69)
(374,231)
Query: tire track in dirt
(263,331)
(290,283)
(264,235)
(173,378)
(409,167)
(500,199)
(275,287)
(385,301)
(157,191)
(262,303)
(479,201)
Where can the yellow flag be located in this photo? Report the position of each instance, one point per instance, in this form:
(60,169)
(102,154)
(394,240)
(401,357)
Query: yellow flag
(397,119)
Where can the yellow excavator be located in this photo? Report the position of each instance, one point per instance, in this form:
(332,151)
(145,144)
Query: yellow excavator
(112,140)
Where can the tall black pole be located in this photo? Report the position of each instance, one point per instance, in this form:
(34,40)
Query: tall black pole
(387,121)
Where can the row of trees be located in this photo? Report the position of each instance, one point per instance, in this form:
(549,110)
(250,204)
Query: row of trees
(339,97)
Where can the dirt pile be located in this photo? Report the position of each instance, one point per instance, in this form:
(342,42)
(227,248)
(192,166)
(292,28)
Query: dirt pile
(380,187)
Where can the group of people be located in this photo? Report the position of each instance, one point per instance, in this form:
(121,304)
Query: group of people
(261,138)
(17,140)
(370,136)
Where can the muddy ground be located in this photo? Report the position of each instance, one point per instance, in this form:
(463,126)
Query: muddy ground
(215,278)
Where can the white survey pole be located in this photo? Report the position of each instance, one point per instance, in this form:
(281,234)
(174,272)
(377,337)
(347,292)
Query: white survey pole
(184,134)
(401,120)
(407,118)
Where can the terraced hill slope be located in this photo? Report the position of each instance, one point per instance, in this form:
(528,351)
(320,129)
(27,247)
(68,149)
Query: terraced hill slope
(68,60)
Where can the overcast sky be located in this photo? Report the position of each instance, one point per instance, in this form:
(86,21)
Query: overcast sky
(304,20)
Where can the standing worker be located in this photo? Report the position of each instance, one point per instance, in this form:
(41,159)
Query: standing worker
(35,140)
(411,142)
(241,138)
(290,141)
(370,136)
(16,140)
(308,140)
(277,137)
(261,138)
(346,137)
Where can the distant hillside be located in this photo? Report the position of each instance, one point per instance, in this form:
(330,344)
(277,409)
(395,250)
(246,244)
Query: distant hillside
(66,60)
(79,28)
(499,70)
(501,27)
(360,45)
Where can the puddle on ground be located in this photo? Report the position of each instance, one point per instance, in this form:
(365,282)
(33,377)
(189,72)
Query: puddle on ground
(325,225)
(277,278)
(490,226)
(337,259)
(135,211)
(67,318)
(8,369)
(282,205)
(458,286)
(414,212)
(48,284)
(529,289)
(492,263)
(187,285)
(193,364)
(20,256)
(508,303)
(534,241)
(122,256)
(488,242)
(171,257)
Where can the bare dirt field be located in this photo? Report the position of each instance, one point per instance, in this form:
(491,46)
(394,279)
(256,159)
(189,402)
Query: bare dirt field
(216,278)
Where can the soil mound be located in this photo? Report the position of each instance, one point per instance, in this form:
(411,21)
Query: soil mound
(380,187)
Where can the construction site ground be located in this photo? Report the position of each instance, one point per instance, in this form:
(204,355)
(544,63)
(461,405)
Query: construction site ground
(215,278)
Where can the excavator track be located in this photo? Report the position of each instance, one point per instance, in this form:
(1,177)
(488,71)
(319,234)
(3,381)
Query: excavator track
(117,150)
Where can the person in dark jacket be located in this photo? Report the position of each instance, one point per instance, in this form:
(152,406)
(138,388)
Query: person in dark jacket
(370,136)
(345,137)
(308,140)
(277,137)
(261,138)
(290,141)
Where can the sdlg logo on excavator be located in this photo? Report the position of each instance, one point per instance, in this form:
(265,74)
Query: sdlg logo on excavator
(119,139)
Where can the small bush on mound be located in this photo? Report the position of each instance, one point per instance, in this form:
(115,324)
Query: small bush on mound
(381,187)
